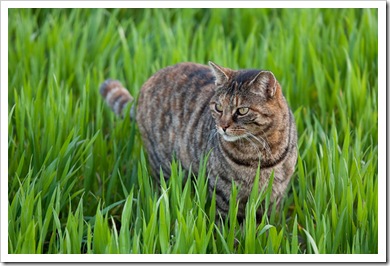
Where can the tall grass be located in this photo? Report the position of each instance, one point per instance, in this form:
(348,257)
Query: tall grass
(78,177)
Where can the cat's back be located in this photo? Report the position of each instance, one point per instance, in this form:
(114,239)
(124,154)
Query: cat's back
(179,78)
(175,89)
(173,109)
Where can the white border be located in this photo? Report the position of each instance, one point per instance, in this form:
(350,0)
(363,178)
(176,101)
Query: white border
(195,258)
(382,119)
(3,135)
(192,4)
(382,247)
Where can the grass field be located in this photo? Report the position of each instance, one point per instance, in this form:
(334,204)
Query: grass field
(78,179)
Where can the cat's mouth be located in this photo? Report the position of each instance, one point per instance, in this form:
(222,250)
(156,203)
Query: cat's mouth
(228,136)
(231,138)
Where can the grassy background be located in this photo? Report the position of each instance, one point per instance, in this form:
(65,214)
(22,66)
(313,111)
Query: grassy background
(78,179)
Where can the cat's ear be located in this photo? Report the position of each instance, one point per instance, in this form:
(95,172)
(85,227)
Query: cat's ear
(266,82)
(221,74)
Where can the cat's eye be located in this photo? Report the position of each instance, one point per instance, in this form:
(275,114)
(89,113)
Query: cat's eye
(218,107)
(242,110)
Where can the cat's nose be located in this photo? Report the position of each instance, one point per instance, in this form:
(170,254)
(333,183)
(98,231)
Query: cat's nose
(224,127)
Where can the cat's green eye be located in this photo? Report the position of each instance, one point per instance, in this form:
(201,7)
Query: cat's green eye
(242,110)
(218,107)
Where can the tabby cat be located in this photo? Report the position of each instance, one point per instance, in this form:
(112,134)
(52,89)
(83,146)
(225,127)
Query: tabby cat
(241,116)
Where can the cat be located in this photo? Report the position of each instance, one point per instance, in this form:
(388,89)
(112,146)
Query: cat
(240,116)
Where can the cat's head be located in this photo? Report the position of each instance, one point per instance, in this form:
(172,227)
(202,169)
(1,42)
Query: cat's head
(246,102)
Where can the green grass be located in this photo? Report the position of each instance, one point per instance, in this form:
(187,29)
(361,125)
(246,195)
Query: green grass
(78,179)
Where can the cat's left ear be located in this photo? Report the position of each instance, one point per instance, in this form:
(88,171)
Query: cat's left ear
(266,82)
(221,74)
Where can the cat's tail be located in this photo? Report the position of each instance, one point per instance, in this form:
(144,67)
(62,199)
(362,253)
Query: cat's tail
(116,96)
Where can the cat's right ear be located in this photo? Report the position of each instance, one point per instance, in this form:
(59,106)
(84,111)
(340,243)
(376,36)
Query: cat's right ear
(266,82)
(222,75)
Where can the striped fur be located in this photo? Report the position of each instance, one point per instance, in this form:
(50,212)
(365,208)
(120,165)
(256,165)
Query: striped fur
(188,109)
(116,96)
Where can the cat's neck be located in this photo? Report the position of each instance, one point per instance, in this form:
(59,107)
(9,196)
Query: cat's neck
(278,142)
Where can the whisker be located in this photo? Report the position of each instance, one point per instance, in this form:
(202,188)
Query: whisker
(254,145)
(212,135)
(262,141)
